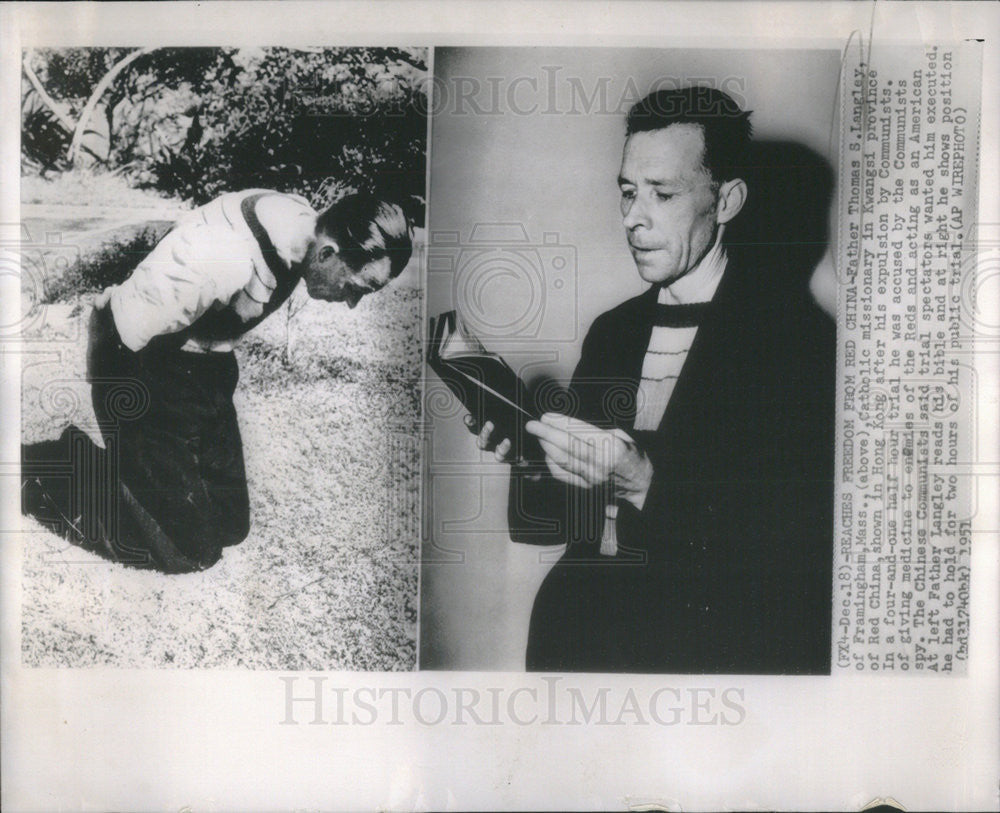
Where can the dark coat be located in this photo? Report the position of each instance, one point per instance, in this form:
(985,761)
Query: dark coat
(727,569)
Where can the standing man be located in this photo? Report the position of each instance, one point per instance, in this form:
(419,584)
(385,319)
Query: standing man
(697,510)
(160,359)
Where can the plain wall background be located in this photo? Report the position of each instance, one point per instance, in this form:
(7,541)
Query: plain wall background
(526,240)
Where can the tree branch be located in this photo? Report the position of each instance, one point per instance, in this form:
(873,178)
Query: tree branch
(95,97)
(47,100)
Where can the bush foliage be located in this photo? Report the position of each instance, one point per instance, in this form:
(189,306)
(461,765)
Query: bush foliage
(197,122)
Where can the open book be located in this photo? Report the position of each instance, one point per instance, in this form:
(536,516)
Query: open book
(484,383)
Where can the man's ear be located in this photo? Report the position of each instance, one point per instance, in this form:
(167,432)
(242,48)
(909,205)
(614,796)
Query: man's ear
(732,196)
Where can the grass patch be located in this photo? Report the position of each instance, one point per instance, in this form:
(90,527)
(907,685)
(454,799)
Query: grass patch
(86,188)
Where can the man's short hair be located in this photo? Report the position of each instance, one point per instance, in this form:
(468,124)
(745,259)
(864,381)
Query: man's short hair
(725,125)
(367,228)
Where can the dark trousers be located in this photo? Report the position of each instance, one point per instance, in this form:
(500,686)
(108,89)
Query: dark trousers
(169,490)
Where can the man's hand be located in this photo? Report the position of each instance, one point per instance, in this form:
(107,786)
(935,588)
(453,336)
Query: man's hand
(102,299)
(486,442)
(502,450)
(585,456)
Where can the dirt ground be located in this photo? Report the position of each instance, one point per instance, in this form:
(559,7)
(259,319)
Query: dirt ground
(328,576)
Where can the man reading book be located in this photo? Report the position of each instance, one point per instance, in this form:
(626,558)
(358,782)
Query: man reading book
(697,512)
(174,490)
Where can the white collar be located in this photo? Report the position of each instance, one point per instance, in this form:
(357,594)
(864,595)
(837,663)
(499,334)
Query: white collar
(698,284)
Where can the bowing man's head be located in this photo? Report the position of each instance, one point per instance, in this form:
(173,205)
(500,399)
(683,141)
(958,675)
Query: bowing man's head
(362,243)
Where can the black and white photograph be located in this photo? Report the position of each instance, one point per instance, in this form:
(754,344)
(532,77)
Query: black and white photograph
(499,406)
(666,502)
(221,324)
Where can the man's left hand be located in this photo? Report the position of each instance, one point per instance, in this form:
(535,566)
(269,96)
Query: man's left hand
(585,456)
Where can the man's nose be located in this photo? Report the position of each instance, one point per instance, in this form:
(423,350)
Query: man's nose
(635,214)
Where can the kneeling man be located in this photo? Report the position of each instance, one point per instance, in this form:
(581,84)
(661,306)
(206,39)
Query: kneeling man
(171,490)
